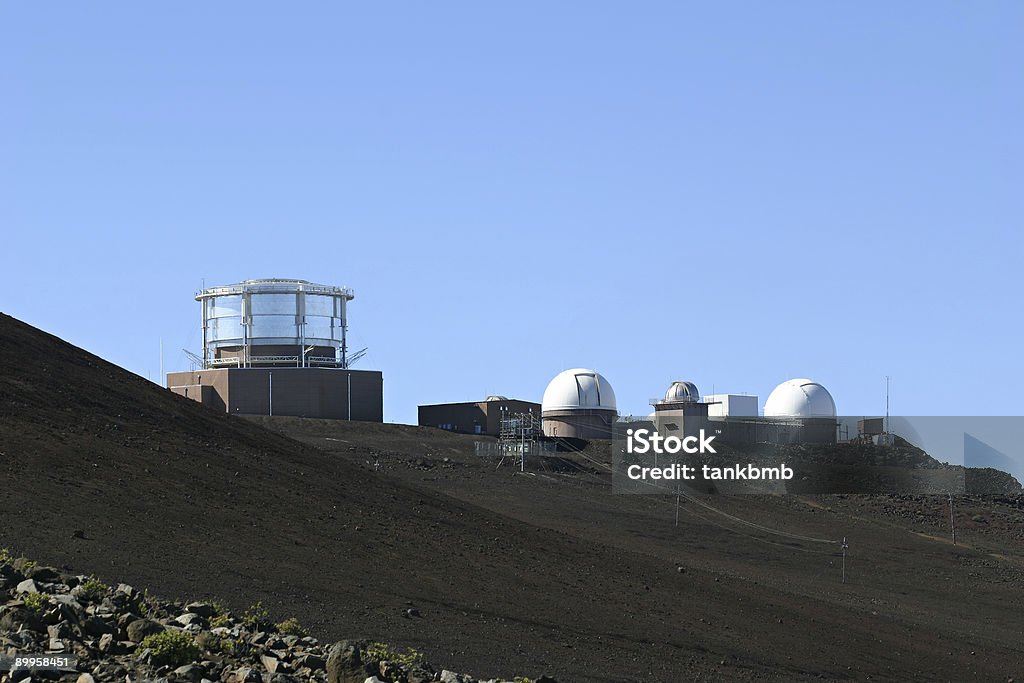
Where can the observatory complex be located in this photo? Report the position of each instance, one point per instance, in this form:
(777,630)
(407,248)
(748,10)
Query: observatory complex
(579,404)
(279,347)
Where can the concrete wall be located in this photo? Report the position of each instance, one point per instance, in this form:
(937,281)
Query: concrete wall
(301,392)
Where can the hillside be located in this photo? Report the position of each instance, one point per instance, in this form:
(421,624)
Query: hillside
(105,473)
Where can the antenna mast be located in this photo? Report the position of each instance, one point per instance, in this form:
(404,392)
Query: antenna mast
(887,404)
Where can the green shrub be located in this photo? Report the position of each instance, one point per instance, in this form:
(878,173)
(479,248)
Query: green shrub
(145,602)
(255,617)
(382,652)
(221,620)
(521,679)
(292,627)
(5,555)
(93,589)
(172,648)
(36,602)
(29,564)
(226,646)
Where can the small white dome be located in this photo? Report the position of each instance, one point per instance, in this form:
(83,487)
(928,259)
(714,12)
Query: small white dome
(800,398)
(578,388)
(682,391)
(495,397)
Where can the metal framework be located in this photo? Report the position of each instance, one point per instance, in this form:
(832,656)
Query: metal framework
(519,436)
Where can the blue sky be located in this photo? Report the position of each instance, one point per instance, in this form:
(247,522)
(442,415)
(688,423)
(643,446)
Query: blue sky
(730,193)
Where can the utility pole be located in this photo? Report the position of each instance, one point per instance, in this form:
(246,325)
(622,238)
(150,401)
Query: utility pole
(845,546)
(952,524)
(887,404)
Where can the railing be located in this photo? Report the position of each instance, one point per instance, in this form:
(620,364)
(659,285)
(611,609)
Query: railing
(322,360)
(275,286)
(236,362)
(256,360)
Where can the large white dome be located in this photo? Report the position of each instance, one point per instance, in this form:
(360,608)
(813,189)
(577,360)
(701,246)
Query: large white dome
(682,391)
(800,398)
(578,388)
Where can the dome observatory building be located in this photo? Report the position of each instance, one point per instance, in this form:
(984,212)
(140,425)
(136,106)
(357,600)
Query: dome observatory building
(579,404)
(800,398)
(279,347)
(804,410)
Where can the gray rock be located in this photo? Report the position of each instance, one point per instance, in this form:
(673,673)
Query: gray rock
(269,663)
(58,631)
(203,609)
(86,678)
(246,675)
(17,618)
(373,679)
(106,643)
(344,665)
(190,672)
(450,677)
(27,586)
(140,628)
(312,661)
(43,574)
(188,618)
(96,627)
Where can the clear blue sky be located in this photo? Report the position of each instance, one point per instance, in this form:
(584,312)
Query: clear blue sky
(730,193)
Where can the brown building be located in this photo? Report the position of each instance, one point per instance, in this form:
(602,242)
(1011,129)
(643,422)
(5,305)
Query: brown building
(331,393)
(474,417)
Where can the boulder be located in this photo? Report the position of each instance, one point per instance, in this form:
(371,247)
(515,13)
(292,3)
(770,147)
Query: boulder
(96,627)
(43,574)
(190,672)
(140,628)
(188,618)
(203,609)
(27,586)
(344,664)
(270,663)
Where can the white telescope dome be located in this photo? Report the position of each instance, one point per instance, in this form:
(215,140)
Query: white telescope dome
(578,389)
(682,391)
(800,398)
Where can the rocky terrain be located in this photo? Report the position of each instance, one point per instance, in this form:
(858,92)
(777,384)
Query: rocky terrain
(122,634)
(348,526)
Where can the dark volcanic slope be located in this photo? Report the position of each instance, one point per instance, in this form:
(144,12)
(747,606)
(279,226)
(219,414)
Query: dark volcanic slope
(513,575)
